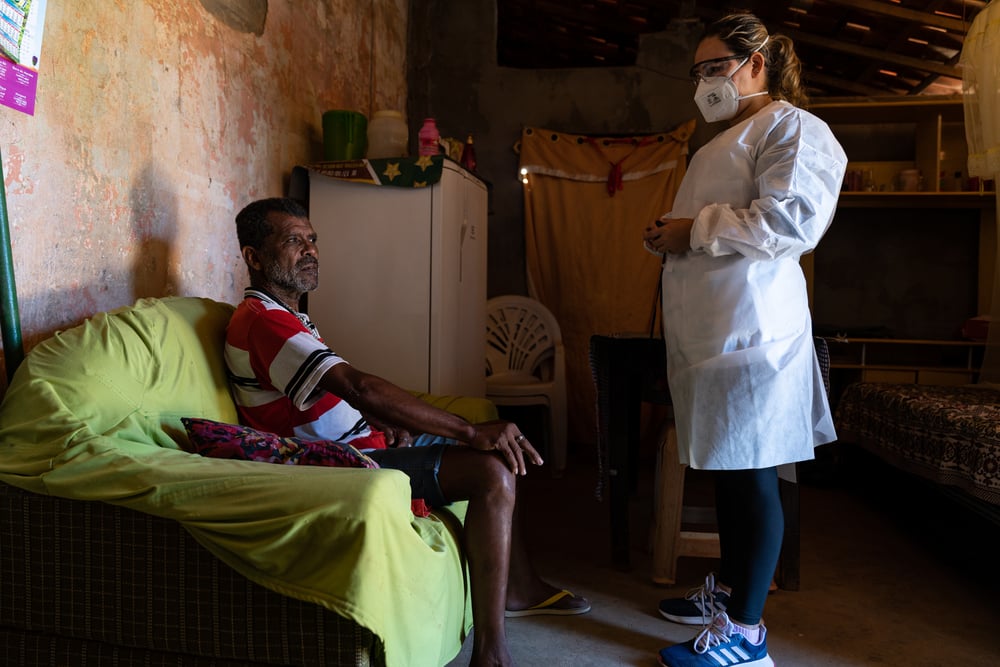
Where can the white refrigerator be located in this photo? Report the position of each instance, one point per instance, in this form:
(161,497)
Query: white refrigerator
(402,287)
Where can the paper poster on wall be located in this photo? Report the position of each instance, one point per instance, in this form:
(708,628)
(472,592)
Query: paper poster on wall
(21,24)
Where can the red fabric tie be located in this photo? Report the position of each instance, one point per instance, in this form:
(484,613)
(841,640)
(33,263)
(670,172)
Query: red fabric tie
(615,181)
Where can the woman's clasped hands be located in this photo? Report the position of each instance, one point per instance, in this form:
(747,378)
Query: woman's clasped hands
(669,236)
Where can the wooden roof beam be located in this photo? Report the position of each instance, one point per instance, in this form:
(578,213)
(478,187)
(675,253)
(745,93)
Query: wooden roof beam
(842,84)
(874,54)
(897,12)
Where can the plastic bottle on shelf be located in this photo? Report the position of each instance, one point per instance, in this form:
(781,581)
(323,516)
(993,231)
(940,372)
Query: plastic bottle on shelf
(429,138)
(388,135)
(469,155)
(868,180)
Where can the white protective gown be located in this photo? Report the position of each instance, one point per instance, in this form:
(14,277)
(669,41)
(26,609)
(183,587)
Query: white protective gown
(744,378)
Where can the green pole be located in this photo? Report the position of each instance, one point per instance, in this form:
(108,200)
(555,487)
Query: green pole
(10,318)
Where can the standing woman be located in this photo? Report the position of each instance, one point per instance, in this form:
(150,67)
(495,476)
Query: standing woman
(746,385)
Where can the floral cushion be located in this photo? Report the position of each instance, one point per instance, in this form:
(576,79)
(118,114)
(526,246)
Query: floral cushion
(232,441)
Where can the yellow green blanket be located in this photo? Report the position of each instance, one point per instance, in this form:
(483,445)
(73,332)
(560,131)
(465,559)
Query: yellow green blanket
(94,413)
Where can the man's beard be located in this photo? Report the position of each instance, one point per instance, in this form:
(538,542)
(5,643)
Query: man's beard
(294,280)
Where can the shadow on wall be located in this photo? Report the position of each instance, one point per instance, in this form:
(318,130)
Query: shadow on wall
(154,220)
(154,214)
(242,15)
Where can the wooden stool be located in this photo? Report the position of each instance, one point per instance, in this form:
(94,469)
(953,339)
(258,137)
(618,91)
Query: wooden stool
(669,541)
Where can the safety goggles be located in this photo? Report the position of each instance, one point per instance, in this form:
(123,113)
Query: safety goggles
(706,69)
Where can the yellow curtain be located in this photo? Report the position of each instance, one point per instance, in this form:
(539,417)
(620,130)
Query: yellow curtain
(586,201)
(980,63)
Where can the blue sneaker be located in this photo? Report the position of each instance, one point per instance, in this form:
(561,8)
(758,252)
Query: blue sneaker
(718,646)
(698,606)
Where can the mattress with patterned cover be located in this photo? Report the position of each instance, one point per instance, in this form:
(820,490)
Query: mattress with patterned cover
(949,435)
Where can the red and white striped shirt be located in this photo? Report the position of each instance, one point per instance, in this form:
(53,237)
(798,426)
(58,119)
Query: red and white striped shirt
(276,359)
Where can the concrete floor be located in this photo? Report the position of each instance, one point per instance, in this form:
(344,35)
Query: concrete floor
(892,574)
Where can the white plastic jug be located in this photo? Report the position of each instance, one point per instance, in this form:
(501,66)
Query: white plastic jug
(388,135)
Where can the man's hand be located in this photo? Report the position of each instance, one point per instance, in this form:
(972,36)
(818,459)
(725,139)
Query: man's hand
(671,235)
(395,436)
(506,439)
(398,413)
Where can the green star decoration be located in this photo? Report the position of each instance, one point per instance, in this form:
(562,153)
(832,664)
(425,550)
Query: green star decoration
(402,172)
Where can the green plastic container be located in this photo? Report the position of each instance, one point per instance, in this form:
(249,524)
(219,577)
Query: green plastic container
(345,135)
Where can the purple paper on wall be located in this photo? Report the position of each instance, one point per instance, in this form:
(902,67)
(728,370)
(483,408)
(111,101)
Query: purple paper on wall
(21,24)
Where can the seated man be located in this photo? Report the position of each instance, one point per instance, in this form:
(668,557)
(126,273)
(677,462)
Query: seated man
(287,381)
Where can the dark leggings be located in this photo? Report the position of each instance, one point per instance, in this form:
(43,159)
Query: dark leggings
(751,527)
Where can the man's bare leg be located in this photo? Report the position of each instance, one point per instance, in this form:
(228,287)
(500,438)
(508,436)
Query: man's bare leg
(524,587)
(490,487)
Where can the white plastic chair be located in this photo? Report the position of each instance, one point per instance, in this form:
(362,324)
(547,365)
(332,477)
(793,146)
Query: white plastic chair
(526,364)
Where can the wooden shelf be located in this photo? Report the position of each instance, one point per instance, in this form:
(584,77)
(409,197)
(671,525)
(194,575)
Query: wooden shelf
(899,359)
(907,360)
(908,287)
(888,109)
(833,340)
(980,200)
(889,135)
(904,367)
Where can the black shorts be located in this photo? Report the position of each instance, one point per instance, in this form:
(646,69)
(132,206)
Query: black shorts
(421,465)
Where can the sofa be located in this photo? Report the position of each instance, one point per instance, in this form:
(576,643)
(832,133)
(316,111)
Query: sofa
(118,546)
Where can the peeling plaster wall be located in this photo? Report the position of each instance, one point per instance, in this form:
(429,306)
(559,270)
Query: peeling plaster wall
(155,123)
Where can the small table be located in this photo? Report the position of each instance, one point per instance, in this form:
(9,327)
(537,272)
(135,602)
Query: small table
(628,369)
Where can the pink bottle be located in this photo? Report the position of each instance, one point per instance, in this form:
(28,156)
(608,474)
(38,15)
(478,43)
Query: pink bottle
(429,138)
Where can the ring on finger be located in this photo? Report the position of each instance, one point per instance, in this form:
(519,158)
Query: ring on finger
(519,438)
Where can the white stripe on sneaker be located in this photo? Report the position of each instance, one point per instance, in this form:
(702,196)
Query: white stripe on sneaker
(738,650)
(733,659)
(719,660)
